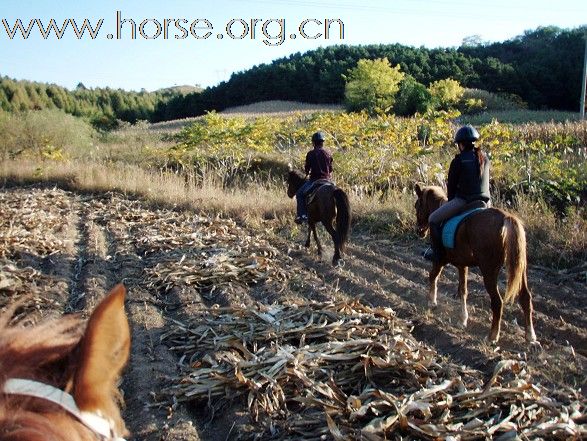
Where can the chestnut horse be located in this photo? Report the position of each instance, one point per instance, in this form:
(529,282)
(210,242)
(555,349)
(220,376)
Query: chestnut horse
(329,203)
(486,239)
(59,382)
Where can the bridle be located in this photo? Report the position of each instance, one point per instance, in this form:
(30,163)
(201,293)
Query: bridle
(101,426)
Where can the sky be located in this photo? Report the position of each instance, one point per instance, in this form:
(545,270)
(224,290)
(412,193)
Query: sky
(181,42)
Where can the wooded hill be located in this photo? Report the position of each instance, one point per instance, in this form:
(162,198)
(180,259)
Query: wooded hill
(102,106)
(542,67)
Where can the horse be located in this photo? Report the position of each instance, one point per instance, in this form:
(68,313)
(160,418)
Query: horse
(58,381)
(486,239)
(328,204)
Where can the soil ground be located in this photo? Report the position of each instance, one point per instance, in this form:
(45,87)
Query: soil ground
(70,248)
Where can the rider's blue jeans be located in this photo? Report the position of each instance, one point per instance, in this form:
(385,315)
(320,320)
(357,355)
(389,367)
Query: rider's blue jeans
(302,210)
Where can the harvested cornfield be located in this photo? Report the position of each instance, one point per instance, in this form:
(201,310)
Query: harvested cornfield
(347,371)
(240,333)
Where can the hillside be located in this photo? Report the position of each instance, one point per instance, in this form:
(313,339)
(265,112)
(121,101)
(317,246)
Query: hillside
(541,67)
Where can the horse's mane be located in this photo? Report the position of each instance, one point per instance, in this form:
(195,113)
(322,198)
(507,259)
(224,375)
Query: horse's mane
(435,193)
(41,353)
(297,174)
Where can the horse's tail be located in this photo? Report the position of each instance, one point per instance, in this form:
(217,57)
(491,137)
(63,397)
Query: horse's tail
(343,217)
(515,255)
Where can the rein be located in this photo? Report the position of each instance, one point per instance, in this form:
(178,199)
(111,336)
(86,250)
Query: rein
(93,421)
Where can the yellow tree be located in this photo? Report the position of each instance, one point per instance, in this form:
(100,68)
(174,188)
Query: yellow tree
(372,86)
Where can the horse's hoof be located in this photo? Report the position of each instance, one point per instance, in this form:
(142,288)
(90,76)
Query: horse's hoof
(492,340)
(338,263)
(535,347)
(432,304)
(463,324)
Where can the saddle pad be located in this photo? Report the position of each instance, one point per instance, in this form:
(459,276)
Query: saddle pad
(450,227)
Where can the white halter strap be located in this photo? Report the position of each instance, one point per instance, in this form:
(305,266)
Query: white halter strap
(93,421)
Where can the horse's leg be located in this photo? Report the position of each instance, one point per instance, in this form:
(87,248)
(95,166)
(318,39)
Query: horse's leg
(334,235)
(313,229)
(525,300)
(310,227)
(490,275)
(433,279)
(463,273)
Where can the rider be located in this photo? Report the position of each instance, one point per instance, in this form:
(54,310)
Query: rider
(319,166)
(468,181)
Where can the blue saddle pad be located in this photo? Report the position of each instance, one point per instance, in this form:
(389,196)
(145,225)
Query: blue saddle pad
(450,227)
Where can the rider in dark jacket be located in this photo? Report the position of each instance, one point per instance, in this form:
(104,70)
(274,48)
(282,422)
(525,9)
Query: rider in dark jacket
(318,166)
(468,181)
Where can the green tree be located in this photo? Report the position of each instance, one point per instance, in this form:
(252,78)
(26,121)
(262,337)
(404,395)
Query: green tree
(413,97)
(372,86)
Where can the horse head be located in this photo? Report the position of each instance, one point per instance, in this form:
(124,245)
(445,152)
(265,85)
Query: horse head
(429,199)
(294,181)
(58,381)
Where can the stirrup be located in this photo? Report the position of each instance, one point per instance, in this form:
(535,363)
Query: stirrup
(301,219)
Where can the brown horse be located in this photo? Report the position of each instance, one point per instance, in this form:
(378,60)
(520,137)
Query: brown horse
(58,382)
(329,203)
(487,240)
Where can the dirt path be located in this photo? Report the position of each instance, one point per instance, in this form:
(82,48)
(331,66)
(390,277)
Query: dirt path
(81,245)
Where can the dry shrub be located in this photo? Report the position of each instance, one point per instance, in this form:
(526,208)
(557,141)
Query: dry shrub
(251,204)
(43,133)
(553,240)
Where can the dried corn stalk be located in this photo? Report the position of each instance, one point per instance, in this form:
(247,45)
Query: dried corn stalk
(347,371)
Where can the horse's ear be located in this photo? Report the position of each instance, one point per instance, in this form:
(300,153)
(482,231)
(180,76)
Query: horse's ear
(418,188)
(104,350)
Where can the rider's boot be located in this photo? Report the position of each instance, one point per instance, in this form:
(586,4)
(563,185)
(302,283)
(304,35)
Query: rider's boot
(436,251)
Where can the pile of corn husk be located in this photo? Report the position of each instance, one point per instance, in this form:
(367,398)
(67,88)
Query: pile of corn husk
(204,253)
(178,248)
(347,371)
(31,230)
(31,222)
(40,294)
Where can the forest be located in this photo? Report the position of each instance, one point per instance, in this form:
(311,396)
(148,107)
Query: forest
(541,69)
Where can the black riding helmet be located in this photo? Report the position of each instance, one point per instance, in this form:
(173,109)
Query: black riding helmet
(318,137)
(467,133)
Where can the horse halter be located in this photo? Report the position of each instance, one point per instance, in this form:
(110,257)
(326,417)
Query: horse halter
(101,426)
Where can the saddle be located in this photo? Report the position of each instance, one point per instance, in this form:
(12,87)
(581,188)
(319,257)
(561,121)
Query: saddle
(451,226)
(314,188)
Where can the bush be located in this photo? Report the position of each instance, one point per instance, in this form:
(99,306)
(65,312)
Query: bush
(446,93)
(42,133)
(477,100)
